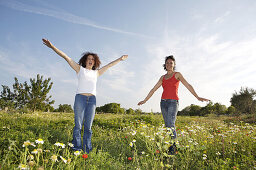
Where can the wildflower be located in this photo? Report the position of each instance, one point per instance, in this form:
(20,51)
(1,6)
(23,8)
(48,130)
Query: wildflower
(69,160)
(47,150)
(30,157)
(167,166)
(34,151)
(46,160)
(204,156)
(39,141)
(40,150)
(31,163)
(134,141)
(54,158)
(129,158)
(142,152)
(23,167)
(157,151)
(60,144)
(85,156)
(131,144)
(134,133)
(57,144)
(27,143)
(234,143)
(126,137)
(64,160)
(77,153)
(167,142)
(218,153)
(70,145)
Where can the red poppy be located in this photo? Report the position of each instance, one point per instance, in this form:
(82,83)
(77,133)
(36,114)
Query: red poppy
(85,156)
(157,151)
(129,158)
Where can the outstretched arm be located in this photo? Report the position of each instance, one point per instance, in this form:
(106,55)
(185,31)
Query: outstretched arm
(189,87)
(152,91)
(106,67)
(73,64)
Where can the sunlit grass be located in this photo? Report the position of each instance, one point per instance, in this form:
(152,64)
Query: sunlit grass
(42,140)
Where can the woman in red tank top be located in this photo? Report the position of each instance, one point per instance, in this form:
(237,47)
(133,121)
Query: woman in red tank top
(170,100)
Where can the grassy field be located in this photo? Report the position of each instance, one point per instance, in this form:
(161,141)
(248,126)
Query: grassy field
(42,141)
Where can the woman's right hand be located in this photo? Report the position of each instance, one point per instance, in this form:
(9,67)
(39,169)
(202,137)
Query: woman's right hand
(141,102)
(47,43)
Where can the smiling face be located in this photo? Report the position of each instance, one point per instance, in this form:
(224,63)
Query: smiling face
(90,62)
(169,65)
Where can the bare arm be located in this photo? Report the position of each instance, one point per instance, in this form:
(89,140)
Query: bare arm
(106,67)
(73,64)
(152,91)
(189,87)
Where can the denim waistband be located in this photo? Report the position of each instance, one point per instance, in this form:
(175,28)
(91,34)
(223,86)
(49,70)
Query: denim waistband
(169,100)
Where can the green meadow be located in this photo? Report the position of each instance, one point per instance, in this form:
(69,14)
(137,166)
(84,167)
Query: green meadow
(43,141)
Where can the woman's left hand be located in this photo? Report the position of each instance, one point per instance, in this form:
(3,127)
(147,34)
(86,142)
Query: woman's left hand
(203,99)
(124,57)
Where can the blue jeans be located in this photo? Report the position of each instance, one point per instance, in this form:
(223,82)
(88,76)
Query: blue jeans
(169,108)
(84,109)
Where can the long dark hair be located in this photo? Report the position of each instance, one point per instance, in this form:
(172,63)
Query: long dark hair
(173,59)
(83,59)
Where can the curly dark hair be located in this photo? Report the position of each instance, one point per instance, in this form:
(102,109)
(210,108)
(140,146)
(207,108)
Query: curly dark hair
(84,57)
(167,58)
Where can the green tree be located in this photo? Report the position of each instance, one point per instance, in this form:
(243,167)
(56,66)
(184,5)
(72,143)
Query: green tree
(110,108)
(37,93)
(64,108)
(219,109)
(6,98)
(231,110)
(130,111)
(244,101)
(25,96)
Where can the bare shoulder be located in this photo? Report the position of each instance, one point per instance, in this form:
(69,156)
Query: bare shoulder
(161,78)
(178,75)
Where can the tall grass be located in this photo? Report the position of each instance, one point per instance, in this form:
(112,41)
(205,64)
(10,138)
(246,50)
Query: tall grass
(42,140)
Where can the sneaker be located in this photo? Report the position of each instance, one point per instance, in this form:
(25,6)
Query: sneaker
(172,150)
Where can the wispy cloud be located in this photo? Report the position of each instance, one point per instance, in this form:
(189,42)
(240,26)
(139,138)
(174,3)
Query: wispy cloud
(222,18)
(62,15)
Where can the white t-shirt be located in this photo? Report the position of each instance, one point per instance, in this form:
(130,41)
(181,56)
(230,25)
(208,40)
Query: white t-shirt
(87,80)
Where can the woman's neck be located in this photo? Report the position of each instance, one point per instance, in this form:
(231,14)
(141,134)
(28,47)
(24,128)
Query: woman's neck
(170,71)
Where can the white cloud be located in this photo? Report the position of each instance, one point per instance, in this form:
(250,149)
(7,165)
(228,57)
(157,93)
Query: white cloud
(222,18)
(62,15)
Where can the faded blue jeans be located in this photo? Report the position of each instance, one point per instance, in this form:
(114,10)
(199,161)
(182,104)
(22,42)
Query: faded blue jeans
(84,109)
(169,108)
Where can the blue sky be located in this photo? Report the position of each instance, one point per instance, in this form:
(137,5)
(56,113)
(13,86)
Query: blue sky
(214,43)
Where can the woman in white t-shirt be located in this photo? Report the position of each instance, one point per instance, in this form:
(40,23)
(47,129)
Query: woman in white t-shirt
(87,71)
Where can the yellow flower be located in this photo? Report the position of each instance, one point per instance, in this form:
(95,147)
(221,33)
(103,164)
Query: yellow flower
(54,158)
(40,141)
(64,160)
(34,151)
(23,167)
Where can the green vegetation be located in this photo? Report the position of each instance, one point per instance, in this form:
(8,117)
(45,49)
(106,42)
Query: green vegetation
(41,140)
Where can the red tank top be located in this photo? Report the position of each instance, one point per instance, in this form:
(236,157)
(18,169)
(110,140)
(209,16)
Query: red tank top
(170,87)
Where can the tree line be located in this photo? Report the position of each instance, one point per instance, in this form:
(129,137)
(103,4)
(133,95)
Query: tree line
(33,96)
